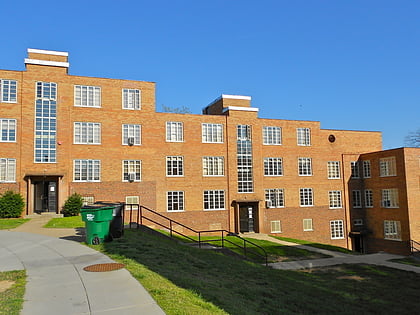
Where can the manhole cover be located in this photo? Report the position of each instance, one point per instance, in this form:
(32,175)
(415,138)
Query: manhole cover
(103,267)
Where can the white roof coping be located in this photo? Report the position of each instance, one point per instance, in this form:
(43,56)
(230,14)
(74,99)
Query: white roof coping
(236,97)
(244,109)
(47,63)
(48,52)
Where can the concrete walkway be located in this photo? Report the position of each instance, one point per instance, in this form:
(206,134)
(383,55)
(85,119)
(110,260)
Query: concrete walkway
(337,257)
(56,281)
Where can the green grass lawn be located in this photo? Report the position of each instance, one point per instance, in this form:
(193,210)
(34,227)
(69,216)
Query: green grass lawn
(11,300)
(66,223)
(187,280)
(407,261)
(6,224)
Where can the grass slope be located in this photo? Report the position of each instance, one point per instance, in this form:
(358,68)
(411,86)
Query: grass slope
(65,223)
(6,224)
(11,300)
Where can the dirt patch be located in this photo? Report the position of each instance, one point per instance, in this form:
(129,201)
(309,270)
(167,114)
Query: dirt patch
(357,278)
(5,285)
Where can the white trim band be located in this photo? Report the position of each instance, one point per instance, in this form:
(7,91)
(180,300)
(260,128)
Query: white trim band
(236,97)
(47,63)
(244,109)
(48,52)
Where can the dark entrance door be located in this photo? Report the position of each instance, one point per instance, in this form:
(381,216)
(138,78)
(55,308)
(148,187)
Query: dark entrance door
(45,195)
(248,218)
(358,243)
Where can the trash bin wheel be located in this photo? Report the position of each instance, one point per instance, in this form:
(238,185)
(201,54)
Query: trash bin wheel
(96,240)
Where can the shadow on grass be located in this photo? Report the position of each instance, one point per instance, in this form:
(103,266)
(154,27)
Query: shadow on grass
(241,287)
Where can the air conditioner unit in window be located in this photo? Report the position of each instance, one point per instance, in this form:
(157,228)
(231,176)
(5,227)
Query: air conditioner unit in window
(268,204)
(131,177)
(130,141)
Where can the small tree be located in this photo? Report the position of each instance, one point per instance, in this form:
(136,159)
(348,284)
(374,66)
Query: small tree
(72,205)
(11,205)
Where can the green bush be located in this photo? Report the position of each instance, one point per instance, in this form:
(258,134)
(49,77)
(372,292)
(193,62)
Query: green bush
(72,205)
(11,205)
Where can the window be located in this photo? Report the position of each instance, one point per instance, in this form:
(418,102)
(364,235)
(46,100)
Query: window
(8,91)
(87,96)
(45,122)
(87,133)
(335,199)
(387,166)
(271,135)
(212,133)
(355,173)
(174,166)
(273,167)
(214,199)
(175,200)
(213,166)
(133,201)
(7,170)
(390,198)
(366,169)
(7,130)
(337,229)
(333,169)
(88,200)
(303,136)
(358,222)
(275,226)
(244,159)
(131,170)
(368,198)
(174,131)
(307,225)
(87,170)
(356,199)
(305,166)
(392,230)
(306,197)
(131,134)
(131,99)
(274,198)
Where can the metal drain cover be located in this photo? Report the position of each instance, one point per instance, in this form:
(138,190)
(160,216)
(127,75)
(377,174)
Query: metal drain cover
(104,267)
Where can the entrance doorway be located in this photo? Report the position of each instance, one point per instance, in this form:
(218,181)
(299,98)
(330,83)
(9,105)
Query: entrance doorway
(248,217)
(45,195)
(358,243)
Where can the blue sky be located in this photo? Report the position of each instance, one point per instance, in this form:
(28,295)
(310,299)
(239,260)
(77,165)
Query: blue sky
(348,64)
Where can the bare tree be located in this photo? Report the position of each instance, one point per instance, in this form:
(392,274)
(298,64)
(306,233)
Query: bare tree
(413,139)
(176,110)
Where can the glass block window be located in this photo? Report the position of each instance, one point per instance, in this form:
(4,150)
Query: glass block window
(355,172)
(7,170)
(308,225)
(337,229)
(87,96)
(8,91)
(273,166)
(366,169)
(131,99)
(358,222)
(333,168)
(133,201)
(88,200)
(335,199)
(213,166)
(275,226)
(174,166)
(356,198)
(274,198)
(303,136)
(87,170)
(175,200)
(174,131)
(392,230)
(368,198)
(305,166)
(87,133)
(271,135)
(212,133)
(390,198)
(244,159)
(131,134)
(387,166)
(214,199)
(7,130)
(306,197)
(131,170)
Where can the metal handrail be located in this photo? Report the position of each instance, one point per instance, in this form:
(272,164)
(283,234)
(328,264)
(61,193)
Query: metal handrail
(415,246)
(223,233)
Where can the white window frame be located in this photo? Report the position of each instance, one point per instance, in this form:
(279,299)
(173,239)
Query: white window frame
(7,170)
(131,131)
(303,136)
(305,166)
(392,230)
(390,198)
(273,166)
(8,91)
(211,133)
(8,129)
(275,226)
(131,99)
(175,201)
(93,170)
(387,167)
(355,169)
(271,135)
(214,200)
(358,222)
(213,166)
(87,133)
(307,225)
(175,166)
(356,197)
(274,198)
(368,198)
(306,197)
(366,169)
(131,166)
(87,96)
(333,170)
(337,229)
(174,131)
(335,200)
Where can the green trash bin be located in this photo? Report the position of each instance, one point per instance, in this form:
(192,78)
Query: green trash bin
(97,220)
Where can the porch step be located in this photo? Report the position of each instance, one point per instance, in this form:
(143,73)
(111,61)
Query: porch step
(44,215)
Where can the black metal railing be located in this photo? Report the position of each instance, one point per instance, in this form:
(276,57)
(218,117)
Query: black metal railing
(140,215)
(415,247)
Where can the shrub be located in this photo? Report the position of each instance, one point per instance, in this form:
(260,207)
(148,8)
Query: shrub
(11,205)
(72,205)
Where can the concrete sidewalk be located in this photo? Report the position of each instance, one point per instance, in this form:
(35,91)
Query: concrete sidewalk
(57,283)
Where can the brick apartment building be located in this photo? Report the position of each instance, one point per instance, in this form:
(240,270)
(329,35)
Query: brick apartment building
(224,169)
